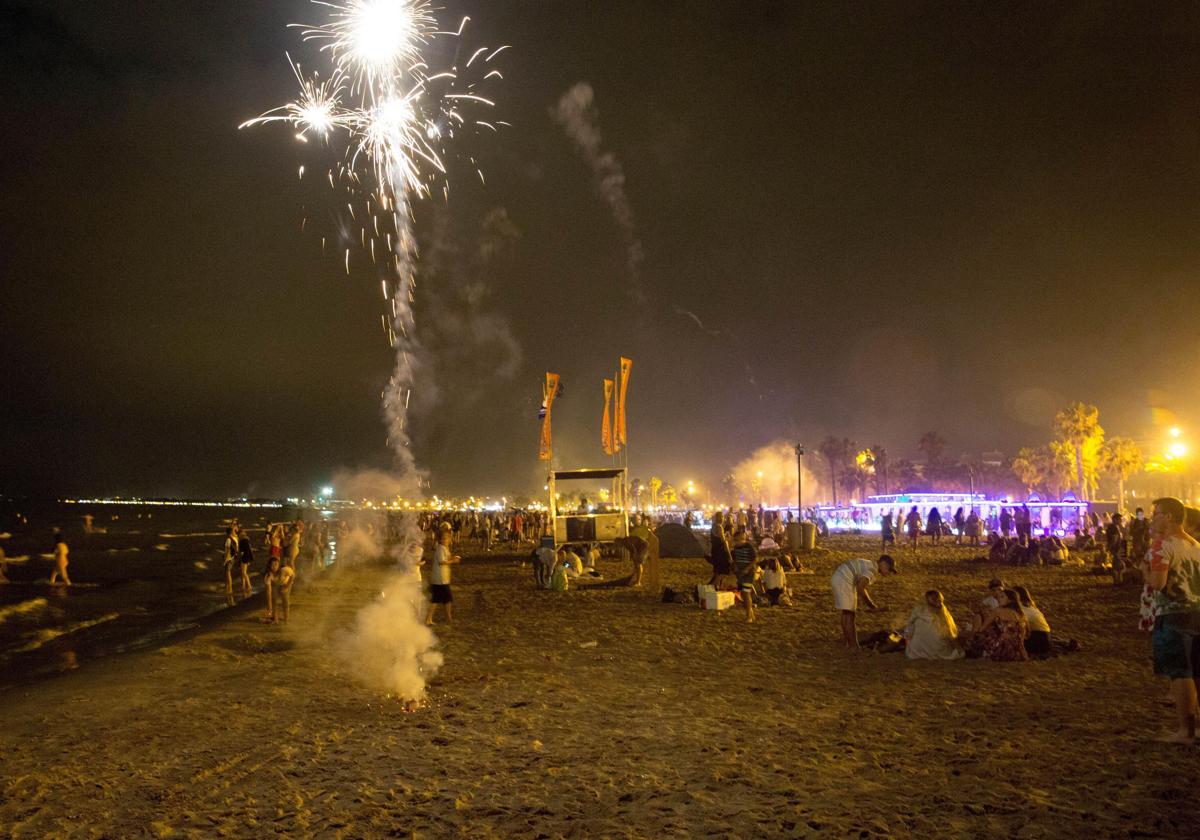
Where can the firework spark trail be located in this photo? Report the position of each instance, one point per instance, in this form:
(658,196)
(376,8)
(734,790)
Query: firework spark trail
(576,113)
(395,117)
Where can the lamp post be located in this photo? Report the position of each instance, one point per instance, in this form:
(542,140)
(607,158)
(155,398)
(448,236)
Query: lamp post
(799,482)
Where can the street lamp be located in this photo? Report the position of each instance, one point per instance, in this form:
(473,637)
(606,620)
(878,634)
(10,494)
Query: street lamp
(799,482)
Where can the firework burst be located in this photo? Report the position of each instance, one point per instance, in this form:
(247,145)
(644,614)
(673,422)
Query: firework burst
(392,118)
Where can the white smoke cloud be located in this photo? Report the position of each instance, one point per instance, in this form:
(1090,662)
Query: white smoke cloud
(374,484)
(576,113)
(777,463)
(389,648)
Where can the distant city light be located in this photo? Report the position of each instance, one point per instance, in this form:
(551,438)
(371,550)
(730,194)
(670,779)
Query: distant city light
(1177,450)
(326,491)
(1175,432)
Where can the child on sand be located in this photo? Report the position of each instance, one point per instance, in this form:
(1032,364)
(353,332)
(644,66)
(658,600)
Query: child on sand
(279,580)
(60,563)
(439,578)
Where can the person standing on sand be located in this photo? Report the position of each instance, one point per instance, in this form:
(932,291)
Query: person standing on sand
(60,562)
(849,583)
(295,540)
(933,526)
(912,525)
(745,564)
(279,579)
(1174,574)
(245,558)
(886,532)
(439,578)
(231,556)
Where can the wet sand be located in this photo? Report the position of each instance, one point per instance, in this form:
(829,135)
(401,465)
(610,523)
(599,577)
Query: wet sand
(674,722)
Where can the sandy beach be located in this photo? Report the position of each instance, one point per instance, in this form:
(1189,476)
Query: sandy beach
(604,712)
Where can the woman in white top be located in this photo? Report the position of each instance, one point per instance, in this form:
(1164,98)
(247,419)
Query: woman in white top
(931,632)
(1037,643)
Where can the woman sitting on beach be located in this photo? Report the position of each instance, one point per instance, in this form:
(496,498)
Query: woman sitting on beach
(931,632)
(1001,638)
(1038,641)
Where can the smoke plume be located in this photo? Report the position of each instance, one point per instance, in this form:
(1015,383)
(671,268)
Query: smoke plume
(576,113)
(390,648)
(777,463)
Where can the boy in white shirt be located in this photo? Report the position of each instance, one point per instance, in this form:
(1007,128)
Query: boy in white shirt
(439,577)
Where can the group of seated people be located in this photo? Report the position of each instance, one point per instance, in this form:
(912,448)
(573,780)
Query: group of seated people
(1047,551)
(1007,627)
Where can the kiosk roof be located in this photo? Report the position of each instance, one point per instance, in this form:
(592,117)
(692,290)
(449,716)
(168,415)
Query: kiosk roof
(561,475)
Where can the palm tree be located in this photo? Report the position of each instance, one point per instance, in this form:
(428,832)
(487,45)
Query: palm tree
(864,470)
(1026,468)
(655,483)
(933,445)
(1121,458)
(1057,461)
(908,473)
(835,452)
(880,457)
(730,485)
(1078,425)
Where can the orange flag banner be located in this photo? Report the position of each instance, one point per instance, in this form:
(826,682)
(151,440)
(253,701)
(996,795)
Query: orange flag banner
(549,392)
(626,366)
(606,438)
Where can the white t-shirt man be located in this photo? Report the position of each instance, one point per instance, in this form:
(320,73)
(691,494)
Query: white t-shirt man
(845,582)
(439,571)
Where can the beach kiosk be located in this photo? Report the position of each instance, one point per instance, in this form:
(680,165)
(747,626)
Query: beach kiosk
(597,521)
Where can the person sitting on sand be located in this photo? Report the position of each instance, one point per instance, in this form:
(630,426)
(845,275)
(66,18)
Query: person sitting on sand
(1037,643)
(745,565)
(774,580)
(279,579)
(571,561)
(998,553)
(60,562)
(930,632)
(1001,638)
(849,583)
(439,578)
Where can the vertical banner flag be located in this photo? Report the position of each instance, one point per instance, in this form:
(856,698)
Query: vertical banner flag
(606,438)
(626,364)
(549,392)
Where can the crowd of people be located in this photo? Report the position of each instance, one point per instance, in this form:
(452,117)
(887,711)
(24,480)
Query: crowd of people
(289,547)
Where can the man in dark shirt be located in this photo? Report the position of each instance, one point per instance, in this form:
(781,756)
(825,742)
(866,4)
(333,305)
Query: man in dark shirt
(1114,542)
(1139,535)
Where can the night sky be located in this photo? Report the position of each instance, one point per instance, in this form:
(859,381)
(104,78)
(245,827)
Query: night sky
(867,219)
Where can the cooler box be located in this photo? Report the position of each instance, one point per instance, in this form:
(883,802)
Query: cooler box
(718,600)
